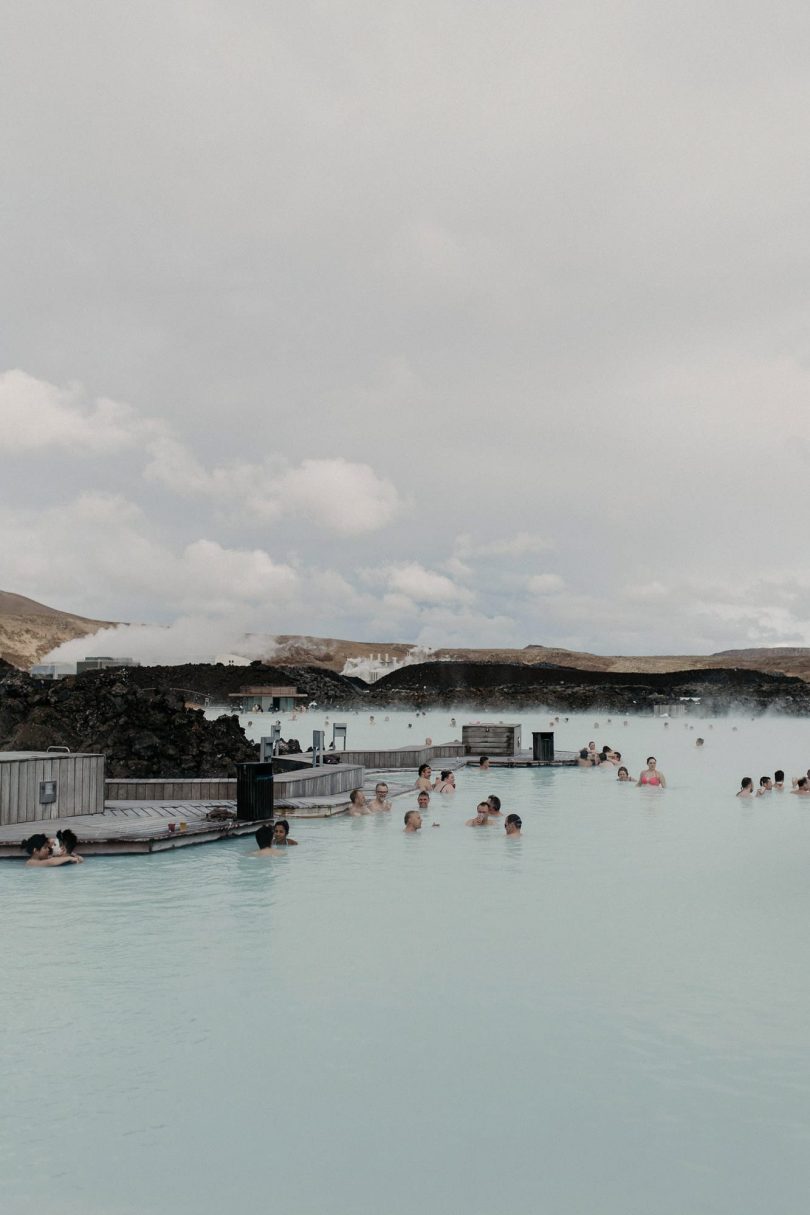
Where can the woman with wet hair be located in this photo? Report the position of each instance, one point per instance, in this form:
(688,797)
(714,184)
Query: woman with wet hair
(651,775)
(68,839)
(281,834)
(38,848)
(446,783)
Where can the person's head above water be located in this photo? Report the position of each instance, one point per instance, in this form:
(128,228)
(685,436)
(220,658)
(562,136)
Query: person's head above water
(264,836)
(413,820)
(483,761)
(281,829)
(357,797)
(513,824)
(424,769)
(494,803)
(779,776)
(622,774)
(68,839)
(381,790)
(423,800)
(746,783)
(37,846)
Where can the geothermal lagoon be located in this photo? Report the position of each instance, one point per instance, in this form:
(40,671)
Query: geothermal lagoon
(609,1015)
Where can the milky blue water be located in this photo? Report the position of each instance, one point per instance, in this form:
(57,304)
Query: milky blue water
(608,1015)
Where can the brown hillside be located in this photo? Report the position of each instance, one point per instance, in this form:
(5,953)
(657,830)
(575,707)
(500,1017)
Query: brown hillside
(29,630)
(332,652)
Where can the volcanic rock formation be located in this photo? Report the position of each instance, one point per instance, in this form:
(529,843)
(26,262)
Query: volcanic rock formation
(143,732)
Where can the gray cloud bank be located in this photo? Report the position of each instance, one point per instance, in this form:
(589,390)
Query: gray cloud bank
(449,323)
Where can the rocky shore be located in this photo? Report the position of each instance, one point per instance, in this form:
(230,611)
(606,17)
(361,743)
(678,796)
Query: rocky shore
(143,732)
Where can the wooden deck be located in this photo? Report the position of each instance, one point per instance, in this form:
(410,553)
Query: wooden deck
(401,757)
(143,826)
(306,782)
(525,759)
(132,827)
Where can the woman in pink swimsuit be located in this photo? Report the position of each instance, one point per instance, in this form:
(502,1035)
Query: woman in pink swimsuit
(651,775)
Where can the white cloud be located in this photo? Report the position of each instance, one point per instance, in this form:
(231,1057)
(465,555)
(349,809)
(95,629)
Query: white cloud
(36,415)
(340,495)
(421,585)
(645,591)
(343,496)
(99,550)
(519,545)
(546,584)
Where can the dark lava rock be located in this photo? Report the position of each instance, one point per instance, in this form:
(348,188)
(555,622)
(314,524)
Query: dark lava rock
(565,689)
(144,732)
(216,681)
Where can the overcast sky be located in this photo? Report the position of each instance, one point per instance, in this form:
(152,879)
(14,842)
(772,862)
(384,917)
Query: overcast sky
(449,322)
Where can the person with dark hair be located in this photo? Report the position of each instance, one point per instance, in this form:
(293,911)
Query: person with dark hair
(651,775)
(264,838)
(380,800)
(800,786)
(281,834)
(765,785)
(68,840)
(623,774)
(413,821)
(513,824)
(447,783)
(779,780)
(423,779)
(584,759)
(483,763)
(38,848)
(494,803)
(357,803)
(746,788)
(423,800)
(481,816)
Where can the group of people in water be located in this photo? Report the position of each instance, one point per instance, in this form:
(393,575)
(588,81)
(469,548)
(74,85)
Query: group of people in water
(776,784)
(488,813)
(590,757)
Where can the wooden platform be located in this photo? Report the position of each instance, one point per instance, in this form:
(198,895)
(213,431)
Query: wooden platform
(143,826)
(402,757)
(525,759)
(127,827)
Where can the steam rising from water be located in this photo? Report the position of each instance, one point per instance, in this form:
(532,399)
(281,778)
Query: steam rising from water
(187,639)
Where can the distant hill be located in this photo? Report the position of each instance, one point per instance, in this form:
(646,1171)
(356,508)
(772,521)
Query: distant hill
(332,652)
(29,630)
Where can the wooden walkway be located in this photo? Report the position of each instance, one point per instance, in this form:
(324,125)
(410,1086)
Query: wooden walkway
(132,827)
(144,826)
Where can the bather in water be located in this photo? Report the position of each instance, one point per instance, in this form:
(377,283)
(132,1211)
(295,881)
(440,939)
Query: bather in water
(40,854)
